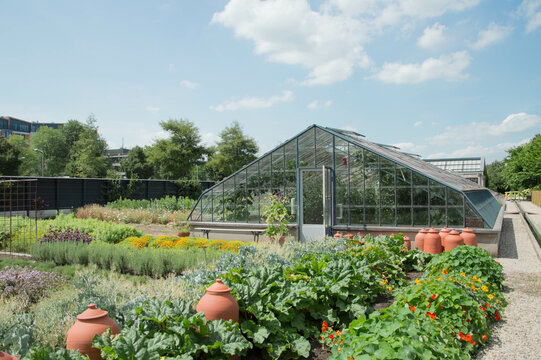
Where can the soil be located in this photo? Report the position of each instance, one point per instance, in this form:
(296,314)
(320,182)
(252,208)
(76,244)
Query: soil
(155,229)
(413,275)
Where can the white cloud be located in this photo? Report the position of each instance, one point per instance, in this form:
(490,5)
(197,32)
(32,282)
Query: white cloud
(478,150)
(328,42)
(314,105)
(432,36)
(209,138)
(188,84)
(475,131)
(410,147)
(254,102)
(418,123)
(492,34)
(447,67)
(152,109)
(531,10)
(290,32)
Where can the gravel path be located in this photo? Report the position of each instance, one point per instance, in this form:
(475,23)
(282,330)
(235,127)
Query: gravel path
(518,335)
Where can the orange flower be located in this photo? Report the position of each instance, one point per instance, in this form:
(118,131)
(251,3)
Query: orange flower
(485,337)
(412,308)
(434,296)
(339,333)
(431,315)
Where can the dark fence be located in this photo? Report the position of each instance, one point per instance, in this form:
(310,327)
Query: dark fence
(67,193)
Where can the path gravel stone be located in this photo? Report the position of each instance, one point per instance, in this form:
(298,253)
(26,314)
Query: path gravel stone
(518,335)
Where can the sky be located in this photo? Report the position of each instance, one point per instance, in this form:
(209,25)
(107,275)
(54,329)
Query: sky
(435,78)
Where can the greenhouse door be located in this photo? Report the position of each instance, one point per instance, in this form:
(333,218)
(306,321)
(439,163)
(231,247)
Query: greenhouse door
(315,203)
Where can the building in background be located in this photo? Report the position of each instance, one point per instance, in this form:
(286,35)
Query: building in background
(471,168)
(10,125)
(116,156)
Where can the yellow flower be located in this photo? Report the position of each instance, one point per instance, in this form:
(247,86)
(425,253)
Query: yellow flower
(473,287)
(390,288)
(417,281)
(463,273)
(382,282)
(490,297)
(484,288)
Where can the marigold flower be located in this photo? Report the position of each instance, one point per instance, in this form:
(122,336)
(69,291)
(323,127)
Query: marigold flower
(339,333)
(490,297)
(483,308)
(390,288)
(484,288)
(331,336)
(417,281)
(463,273)
(444,272)
(431,315)
(412,308)
(434,296)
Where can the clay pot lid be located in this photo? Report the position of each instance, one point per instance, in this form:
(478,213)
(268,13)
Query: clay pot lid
(454,232)
(444,230)
(433,231)
(92,313)
(218,288)
(423,230)
(467,230)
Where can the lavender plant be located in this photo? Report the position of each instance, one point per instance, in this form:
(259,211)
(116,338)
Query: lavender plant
(66,235)
(28,282)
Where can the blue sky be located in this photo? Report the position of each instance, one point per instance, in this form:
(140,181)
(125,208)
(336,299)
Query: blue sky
(437,78)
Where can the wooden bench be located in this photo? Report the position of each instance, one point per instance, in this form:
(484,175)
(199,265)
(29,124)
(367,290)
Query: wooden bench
(255,232)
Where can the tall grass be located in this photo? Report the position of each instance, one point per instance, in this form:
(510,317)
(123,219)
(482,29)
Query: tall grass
(148,261)
(168,203)
(131,216)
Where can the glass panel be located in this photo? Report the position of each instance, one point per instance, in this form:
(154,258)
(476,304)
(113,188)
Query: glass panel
(306,149)
(356,195)
(291,164)
(455,208)
(387,215)
(472,219)
(403,216)
(437,194)
(486,205)
(324,150)
(241,210)
(265,174)
(278,171)
(372,215)
(420,190)
(403,186)
(312,197)
(437,216)
(206,207)
(420,216)
(217,209)
(229,201)
(341,182)
(252,187)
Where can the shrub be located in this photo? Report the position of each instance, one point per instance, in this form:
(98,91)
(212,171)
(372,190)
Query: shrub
(66,235)
(28,283)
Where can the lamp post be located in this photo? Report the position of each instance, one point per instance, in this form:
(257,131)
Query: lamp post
(42,160)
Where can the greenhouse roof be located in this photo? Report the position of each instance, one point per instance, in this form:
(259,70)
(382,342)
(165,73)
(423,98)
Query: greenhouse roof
(452,180)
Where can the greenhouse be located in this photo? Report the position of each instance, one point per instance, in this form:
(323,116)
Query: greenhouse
(336,179)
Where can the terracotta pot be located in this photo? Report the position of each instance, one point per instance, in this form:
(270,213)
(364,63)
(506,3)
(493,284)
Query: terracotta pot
(407,242)
(469,237)
(432,243)
(183,234)
(5,356)
(443,234)
(218,303)
(338,235)
(420,239)
(452,240)
(92,321)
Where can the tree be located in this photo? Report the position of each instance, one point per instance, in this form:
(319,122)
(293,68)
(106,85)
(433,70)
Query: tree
(495,176)
(174,158)
(233,151)
(30,164)
(523,165)
(72,130)
(135,165)
(87,156)
(52,143)
(9,158)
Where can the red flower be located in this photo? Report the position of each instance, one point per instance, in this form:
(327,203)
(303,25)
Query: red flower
(461,335)
(431,315)
(498,318)
(412,308)
(468,320)
(434,296)
(331,336)
(445,272)
(483,308)
(485,337)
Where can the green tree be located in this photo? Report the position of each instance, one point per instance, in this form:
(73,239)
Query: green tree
(9,158)
(233,151)
(87,156)
(523,165)
(72,130)
(175,157)
(52,143)
(495,176)
(30,160)
(135,165)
